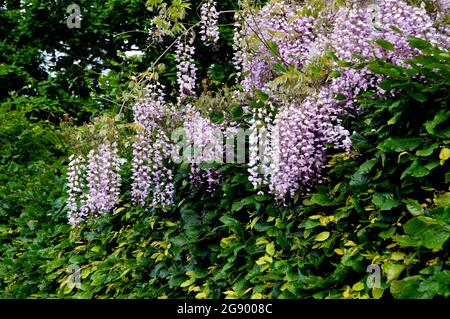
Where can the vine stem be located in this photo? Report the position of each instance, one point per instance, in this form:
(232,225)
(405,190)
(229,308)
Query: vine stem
(173,43)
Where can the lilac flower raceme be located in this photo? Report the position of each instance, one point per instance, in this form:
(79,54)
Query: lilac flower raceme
(94,187)
(209,22)
(186,69)
(203,143)
(76,190)
(279,33)
(238,46)
(151,151)
(261,135)
(299,138)
(354,34)
(151,178)
(104,180)
(287,33)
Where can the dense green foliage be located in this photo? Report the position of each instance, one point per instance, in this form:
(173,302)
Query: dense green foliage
(387,203)
(31,202)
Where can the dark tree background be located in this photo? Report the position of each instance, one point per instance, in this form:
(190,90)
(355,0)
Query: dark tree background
(49,69)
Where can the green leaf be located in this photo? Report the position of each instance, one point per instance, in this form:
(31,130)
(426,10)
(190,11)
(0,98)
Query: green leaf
(416,225)
(385,201)
(440,125)
(444,155)
(400,144)
(432,165)
(397,256)
(385,70)
(416,169)
(209,164)
(270,249)
(407,241)
(261,95)
(367,166)
(216,117)
(407,288)
(394,119)
(360,178)
(390,84)
(237,206)
(190,217)
(428,150)
(321,199)
(237,112)
(280,67)
(273,47)
(310,224)
(359,57)
(359,286)
(424,231)
(340,97)
(176,281)
(393,27)
(229,221)
(388,233)
(429,288)
(240,179)
(96,249)
(263,198)
(443,200)
(442,276)
(392,270)
(76,259)
(418,96)
(336,74)
(322,236)
(377,293)
(418,43)
(385,44)
(414,207)
(84,295)
(360,141)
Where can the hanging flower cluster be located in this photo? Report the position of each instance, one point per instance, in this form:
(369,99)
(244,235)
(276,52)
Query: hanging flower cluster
(209,28)
(292,34)
(94,185)
(151,151)
(279,33)
(103,177)
(300,134)
(76,190)
(354,32)
(203,143)
(186,69)
(355,35)
(239,44)
(261,134)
